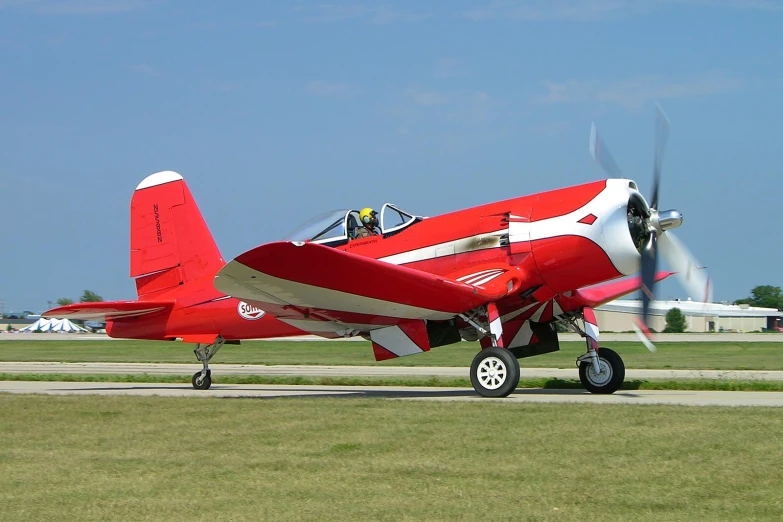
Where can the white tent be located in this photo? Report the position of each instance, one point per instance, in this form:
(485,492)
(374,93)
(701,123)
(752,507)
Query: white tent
(53,325)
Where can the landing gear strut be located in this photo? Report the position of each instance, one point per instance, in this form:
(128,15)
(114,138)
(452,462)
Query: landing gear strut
(495,370)
(204,352)
(610,373)
(601,370)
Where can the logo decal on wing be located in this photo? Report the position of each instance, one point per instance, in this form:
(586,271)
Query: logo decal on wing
(249,312)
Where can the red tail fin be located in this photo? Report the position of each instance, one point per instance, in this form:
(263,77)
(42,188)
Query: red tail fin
(170,244)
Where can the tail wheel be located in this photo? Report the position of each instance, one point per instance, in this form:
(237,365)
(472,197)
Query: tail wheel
(202,383)
(494,372)
(610,376)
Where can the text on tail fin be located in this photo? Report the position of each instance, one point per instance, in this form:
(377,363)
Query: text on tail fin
(170,244)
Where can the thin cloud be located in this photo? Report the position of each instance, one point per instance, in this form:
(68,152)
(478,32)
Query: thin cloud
(427,97)
(372,12)
(547,129)
(589,10)
(145,69)
(335,90)
(762,5)
(75,7)
(433,97)
(536,10)
(212,25)
(449,68)
(635,92)
(418,107)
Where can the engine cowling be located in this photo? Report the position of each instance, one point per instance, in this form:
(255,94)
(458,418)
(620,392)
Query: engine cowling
(586,234)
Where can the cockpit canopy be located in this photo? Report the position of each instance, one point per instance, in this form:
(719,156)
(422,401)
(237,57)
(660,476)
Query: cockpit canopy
(336,227)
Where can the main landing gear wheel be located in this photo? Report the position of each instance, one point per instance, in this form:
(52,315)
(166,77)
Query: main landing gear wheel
(202,382)
(610,376)
(494,372)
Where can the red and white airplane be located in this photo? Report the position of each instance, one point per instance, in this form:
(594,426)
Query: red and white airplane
(502,273)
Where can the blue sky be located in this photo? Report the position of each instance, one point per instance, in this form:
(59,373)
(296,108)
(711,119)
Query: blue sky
(277,111)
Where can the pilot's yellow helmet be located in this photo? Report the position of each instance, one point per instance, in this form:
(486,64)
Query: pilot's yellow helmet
(367,216)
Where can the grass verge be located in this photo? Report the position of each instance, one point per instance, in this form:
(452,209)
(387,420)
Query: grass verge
(152,458)
(448,382)
(670,355)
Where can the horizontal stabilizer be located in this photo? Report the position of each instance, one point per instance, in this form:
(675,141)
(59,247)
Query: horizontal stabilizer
(108,310)
(605,292)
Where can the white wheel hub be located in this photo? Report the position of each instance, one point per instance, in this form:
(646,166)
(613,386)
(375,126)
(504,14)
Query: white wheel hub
(492,373)
(602,378)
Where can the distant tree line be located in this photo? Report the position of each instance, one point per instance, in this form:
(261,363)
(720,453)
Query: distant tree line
(87,297)
(765,296)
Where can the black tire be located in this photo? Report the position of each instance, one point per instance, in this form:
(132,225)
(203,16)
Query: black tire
(494,372)
(202,384)
(603,383)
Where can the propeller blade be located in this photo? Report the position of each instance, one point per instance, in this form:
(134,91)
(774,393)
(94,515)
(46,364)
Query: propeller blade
(649,262)
(692,276)
(644,335)
(661,138)
(601,154)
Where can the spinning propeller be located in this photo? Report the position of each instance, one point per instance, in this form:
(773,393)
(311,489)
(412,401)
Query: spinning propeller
(651,230)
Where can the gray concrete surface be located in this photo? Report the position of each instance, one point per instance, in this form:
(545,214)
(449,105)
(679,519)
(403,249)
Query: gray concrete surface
(362,371)
(689,398)
(608,337)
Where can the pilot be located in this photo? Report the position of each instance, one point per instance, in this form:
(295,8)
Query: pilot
(369,226)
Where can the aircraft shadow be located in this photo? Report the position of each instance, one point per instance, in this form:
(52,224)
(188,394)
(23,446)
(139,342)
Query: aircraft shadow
(467,393)
(275,392)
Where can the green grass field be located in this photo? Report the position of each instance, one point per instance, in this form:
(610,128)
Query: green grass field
(676,355)
(139,458)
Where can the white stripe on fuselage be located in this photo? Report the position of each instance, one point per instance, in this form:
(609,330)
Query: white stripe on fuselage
(609,232)
(457,246)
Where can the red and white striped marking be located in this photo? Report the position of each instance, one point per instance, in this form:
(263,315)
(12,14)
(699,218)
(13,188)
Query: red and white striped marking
(407,338)
(591,327)
(495,324)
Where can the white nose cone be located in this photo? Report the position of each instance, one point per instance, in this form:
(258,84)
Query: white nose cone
(666,220)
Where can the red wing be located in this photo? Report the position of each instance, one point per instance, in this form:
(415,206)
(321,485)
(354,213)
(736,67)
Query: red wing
(300,279)
(605,292)
(108,310)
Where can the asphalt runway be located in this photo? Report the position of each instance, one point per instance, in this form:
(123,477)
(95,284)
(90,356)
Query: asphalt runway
(363,371)
(687,398)
(726,337)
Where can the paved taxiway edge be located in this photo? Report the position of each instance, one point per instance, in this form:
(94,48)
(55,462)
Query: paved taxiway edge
(363,371)
(608,337)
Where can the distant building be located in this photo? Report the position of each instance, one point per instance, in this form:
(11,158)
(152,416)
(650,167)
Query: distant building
(14,324)
(618,316)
